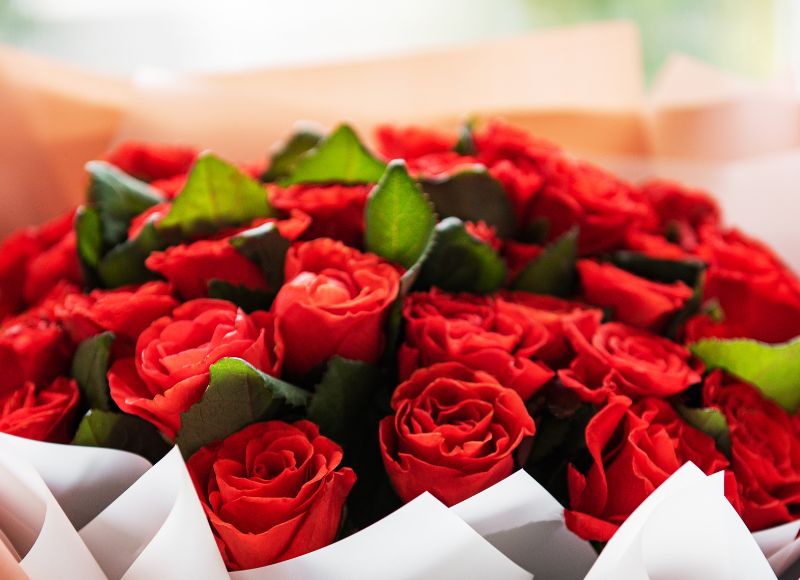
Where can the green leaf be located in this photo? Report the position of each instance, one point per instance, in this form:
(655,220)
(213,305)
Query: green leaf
(89,368)
(340,158)
(285,159)
(466,143)
(710,421)
(248,299)
(237,396)
(216,195)
(124,264)
(118,198)
(89,234)
(773,368)
(342,397)
(100,428)
(553,271)
(398,218)
(265,246)
(666,271)
(459,262)
(472,195)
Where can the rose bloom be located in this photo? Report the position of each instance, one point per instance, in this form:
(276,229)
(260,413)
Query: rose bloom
(124,311)
(635,300)
(765,451)
(626,360)
(33,260)
(478,331)
(337,211)
(42,413)
(190,267)
(271,492)
(758,294)
(334,302)
(453,433)
(634,449)
(152,162)
(168,372)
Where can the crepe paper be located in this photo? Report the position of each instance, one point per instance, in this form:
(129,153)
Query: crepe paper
(472,195)
(552,272)
(285,159)
(36,526)
(89,368)
(399,219)
(522,520)
(773,368)
(156,529)
(421,540)
(460,262)
(687,515)
(217,194)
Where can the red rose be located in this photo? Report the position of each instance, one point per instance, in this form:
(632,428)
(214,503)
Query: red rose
(479,332)
(626,360)
(758,294)
(604,207)
(634,449)
(334,302)
(190,267)
(681,212)
(41,413)
(634,300)
(150,162)
(124,311)
(485,233)
(169,370)
(337,211)
(411,142)
(518,255)
(271,492)
(653,245)
(765,451)
(453,433)
(33,348)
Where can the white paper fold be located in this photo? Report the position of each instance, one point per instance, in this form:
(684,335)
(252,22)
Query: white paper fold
(156,529)
(685,530)
(522,520)
(780,545)
(421,540)
(36,526)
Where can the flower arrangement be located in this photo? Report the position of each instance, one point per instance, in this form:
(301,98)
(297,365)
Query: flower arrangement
(334,333)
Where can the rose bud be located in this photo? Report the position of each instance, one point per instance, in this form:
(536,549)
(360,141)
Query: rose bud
(634,449)
(453,433)
(480,332)
(334,302)
(625,360)
(765,451)
(44,414)
(271,492)
(168,372)
(634,300)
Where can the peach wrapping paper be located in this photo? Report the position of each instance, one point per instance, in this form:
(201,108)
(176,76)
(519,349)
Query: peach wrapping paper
(581,87)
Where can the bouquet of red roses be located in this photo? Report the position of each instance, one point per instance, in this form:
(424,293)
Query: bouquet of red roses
(330,335)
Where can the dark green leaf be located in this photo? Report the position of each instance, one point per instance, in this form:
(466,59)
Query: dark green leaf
(689,309)
(124,264)
(398,217)
(118,198)
(666,271)
(265,246)
(285,159)
(472,195)
(237,396)
(89,234)
(710,421)
(340,158)
(553,271)
(342,397)
(216,195)
(466,143)
(773,368)
(248,299)
(89,368)
(119,431)
(458,262)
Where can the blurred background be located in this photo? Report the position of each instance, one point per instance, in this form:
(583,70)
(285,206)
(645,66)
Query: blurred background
(757,38)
